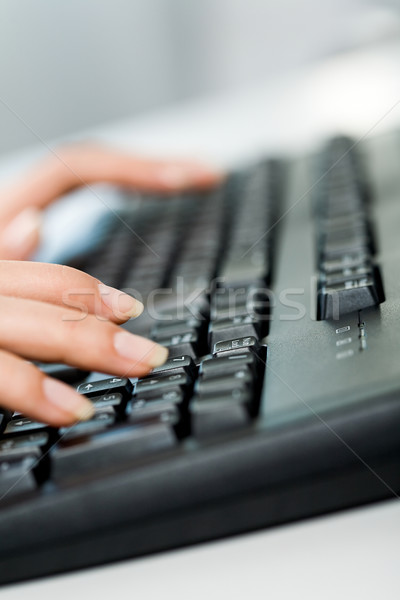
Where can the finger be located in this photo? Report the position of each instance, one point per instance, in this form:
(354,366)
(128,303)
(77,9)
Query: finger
(20,236)
(74,166)
(67,287)
(55,334)
(90,164)
(32,393)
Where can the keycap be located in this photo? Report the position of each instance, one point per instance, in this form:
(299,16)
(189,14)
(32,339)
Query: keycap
(114,391)
(339,277)
(63,372)
(167,328)
(16,472)
(228,364)
(101,420)
(15,442)
(5,416)
(164,407)
(356,243)
(251,265)
(245,343)
(346,261)
(238,326)
(225,383)
(177,364)
(182,344)
(114,449)
(350,295)
(114,400)
(253,301)
(156,385)
(214,414)
(20,424)
(116,385)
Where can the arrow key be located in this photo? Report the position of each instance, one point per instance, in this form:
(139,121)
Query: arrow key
(21,424)
(114,391)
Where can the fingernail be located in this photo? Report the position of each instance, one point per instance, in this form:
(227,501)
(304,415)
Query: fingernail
(121,304)
(67,400)
(140,349)
(21,228)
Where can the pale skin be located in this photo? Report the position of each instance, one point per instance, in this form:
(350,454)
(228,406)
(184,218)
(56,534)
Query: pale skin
(36,322)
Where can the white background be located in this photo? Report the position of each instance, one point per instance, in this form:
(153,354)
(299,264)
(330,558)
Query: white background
(65,66)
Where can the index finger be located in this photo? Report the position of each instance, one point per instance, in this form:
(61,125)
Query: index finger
(65,286)
(74,166)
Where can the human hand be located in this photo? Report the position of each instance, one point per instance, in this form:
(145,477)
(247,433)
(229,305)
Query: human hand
(56,313)
(70,167)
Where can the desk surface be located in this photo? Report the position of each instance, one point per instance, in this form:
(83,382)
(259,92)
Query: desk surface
(353,555)
(349,555)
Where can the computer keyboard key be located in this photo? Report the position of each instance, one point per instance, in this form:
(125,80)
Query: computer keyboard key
(165,408)
(118,447)
(233,345)
(21,424)
(62,372)
(350,296)
(102,419)
(104,387)
(5,416)
(178,364)
(213,414)
(117,401)
(339,277)
(252,293)
(228,364)
(238,326)
(224,383)
(251,265)
(166,328)
(181,344)
(17,472)
(157,385)
(32,440)
(253,305)
(350,260)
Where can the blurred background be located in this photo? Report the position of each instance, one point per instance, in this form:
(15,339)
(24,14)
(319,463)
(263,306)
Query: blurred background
(66,66)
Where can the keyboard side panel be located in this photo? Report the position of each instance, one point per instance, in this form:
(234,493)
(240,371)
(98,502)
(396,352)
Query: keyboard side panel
(318,367)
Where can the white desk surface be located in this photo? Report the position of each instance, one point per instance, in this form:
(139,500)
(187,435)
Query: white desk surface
(353,554)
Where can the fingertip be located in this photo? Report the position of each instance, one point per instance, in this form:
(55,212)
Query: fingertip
(67,406)
(122,305)
(21,236)
(139,350)
(191,175)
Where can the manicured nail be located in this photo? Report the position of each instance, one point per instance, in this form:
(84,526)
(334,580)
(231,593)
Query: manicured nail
(67,400)
(140,349)
(21,228)
(121,304)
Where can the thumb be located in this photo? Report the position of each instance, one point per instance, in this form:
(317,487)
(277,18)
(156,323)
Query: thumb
(20,236)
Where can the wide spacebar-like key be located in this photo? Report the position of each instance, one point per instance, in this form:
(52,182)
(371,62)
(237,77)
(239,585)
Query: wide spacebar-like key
(111,449)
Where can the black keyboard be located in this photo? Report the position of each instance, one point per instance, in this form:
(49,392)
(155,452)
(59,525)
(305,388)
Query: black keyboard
(278,296)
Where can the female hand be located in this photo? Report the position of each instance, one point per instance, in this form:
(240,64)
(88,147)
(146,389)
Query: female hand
(22,202)
(39,321)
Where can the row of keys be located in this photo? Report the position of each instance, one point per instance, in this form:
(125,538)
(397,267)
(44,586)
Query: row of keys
(348,278)
(225,339)
(212,380)
(227,392)
(137,420)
